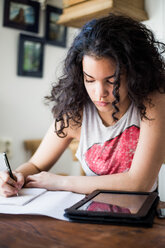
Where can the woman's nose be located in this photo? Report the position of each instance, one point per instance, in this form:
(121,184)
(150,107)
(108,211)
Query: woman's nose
(101,91)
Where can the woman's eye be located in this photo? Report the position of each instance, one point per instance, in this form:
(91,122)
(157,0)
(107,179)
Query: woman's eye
(89,81)
(110,82)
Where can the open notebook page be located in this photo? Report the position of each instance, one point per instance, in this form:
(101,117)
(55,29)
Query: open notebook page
(25,196)
(51,203)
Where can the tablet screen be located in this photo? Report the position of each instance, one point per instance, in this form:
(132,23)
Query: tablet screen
(115,203)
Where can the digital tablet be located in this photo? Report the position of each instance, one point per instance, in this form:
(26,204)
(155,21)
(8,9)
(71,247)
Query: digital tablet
(115,207)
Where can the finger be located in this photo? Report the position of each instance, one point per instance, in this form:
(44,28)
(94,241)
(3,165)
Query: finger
(19,178)
(31,184)
(7,179)
(7,190)
(9,193)
(33,181)
(28,179)
(31,178)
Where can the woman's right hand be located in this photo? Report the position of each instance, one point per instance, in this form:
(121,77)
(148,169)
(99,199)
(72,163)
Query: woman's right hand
(9,186)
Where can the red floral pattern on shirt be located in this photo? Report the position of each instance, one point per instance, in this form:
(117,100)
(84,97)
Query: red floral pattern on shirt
(115,155)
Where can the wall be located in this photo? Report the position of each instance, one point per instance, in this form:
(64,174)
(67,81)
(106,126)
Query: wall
(155,10)
(22,112)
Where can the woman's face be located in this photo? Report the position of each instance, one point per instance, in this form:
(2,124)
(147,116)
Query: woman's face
(99,79)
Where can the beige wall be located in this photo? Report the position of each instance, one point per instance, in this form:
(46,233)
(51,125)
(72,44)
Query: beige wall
(23,114)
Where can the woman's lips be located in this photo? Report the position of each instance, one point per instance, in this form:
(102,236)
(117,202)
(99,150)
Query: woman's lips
(101,104)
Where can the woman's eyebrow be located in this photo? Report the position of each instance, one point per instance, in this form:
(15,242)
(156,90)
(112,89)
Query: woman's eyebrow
(110,76)
(87,74)
(93,77)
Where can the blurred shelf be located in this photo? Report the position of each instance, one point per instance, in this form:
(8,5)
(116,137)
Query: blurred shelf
(78,12)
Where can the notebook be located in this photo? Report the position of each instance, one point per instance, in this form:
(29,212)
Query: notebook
(25,196)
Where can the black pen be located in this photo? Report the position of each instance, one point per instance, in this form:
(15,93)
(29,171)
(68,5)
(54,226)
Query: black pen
(8,166)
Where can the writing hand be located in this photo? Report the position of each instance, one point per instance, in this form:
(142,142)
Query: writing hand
(9,186)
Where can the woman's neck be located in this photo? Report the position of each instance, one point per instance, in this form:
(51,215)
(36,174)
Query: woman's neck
(107,118)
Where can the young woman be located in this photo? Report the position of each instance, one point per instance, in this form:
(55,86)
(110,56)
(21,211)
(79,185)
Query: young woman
(111,98)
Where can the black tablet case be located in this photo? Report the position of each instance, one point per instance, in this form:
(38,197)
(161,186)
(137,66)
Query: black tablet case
(146,221)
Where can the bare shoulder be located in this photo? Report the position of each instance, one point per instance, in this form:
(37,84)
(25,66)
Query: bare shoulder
(156,109)
(73,130)
(157,97)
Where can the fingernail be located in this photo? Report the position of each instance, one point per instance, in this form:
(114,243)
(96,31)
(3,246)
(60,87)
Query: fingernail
(18,185)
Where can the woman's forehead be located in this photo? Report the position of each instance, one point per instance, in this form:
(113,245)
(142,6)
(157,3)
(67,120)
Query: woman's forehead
(99,60)
(98,68)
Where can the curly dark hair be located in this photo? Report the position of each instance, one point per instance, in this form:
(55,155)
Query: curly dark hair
(131,45)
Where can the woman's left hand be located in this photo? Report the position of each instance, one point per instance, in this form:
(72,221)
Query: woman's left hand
(45,180)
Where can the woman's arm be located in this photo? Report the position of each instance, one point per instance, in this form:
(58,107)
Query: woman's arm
(47,153)
(148,158)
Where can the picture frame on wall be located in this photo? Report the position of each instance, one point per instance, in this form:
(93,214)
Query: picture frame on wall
(30,56)
(55,34)
(21,14)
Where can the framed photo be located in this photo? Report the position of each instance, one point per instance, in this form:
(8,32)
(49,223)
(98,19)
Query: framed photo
(21,14)
(30,56)
(54,34)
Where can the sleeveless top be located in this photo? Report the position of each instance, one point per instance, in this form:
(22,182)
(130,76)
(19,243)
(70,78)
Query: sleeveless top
(108,150)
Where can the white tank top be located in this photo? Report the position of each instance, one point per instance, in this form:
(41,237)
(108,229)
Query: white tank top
(108,150)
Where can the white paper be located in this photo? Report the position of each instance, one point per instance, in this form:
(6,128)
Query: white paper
(25,196)
(51,203)
(3,166)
